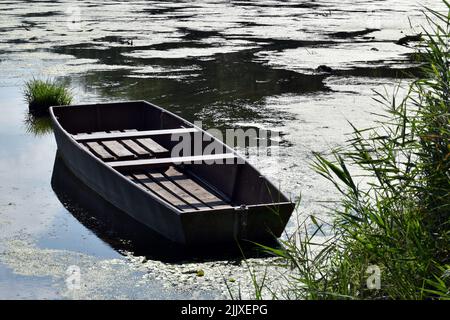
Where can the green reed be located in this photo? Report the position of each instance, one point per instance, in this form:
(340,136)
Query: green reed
(396,215)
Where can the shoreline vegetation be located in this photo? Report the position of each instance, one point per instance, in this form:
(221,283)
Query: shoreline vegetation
(390,236)
(42,94)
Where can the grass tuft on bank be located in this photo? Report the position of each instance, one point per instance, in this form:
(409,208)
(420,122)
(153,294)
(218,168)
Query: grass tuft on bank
(390,238)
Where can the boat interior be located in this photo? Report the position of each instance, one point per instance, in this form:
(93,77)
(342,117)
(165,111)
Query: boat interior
(138,140)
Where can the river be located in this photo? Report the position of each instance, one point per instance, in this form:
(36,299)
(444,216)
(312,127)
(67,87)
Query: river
(229,64)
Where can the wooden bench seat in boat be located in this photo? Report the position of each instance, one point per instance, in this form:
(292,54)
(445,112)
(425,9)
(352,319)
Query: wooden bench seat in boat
(129,134)
(223,158)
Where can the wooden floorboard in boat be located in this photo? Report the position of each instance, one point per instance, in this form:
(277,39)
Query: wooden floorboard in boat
(195,189)
(135,148)
(115,148)
(152,146)
(100,151)
(136,180)
(178,189)
(162,192)
(162,180)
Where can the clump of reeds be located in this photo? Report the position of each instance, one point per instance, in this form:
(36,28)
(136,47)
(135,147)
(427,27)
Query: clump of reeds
(42,94)
(395,225)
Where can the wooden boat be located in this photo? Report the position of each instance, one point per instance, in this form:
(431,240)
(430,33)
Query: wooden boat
(124,152)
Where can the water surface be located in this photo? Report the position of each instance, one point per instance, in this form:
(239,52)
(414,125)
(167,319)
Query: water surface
(230,64)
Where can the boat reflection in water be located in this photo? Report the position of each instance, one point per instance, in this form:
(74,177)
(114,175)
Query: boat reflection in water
(125,234)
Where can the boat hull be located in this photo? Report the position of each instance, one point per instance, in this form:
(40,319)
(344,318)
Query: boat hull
(252,222)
